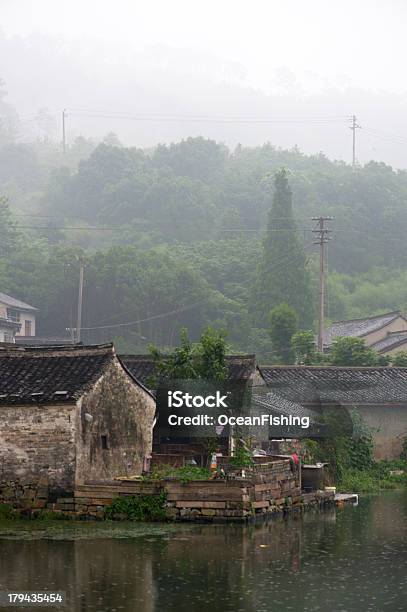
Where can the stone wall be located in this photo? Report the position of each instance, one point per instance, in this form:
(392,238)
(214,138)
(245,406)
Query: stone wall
(114,427)
(266,488)
(26,495)
(388,425)
(38,442)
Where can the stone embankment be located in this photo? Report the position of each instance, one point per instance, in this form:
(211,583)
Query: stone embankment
(245,494)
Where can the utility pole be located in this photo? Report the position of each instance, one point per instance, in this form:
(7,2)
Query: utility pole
(322,237)
(63,131)
(80,294)
(354,127)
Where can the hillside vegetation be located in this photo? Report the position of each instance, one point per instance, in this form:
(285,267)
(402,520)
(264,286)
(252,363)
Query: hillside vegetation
(176,237)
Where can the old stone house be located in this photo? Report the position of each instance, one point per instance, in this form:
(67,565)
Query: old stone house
(385,333)
(378,395)
(71,414)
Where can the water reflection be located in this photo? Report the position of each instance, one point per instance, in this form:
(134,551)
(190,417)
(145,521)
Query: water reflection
(350,559)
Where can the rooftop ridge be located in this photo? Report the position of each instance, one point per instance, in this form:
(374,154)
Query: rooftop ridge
(9,300)
(331,367)
(371,318)
(396,333)
(148,356)
(18,350)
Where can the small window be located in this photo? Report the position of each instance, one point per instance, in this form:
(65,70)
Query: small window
(103,441)
(13,315)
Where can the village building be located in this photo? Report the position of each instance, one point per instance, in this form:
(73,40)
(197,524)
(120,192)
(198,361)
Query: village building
(374,330)
(393,343)
(70,415)
(242,370)
(377,394)
(17,319)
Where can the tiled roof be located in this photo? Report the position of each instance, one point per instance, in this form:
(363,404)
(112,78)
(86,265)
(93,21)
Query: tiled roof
(50,375)
(14,303)
(338,385)
(358,327)
(391,341)
(276,403)
(241,367)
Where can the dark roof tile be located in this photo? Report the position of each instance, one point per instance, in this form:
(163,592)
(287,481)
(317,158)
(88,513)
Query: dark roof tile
(338,385)
(50,375)
(391,341)
(358,327)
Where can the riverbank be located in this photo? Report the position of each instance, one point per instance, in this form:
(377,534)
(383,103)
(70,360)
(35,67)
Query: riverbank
(381,476)
(238,495)
(352,558)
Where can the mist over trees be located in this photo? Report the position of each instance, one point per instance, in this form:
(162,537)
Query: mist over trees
(175,236)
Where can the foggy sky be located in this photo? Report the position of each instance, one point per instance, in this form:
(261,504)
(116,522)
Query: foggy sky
(234,62)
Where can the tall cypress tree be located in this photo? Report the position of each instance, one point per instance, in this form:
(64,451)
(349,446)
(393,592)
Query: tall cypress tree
(281,275)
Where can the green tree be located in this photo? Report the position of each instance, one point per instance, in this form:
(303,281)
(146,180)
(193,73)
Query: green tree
(283,324)
(205,359)
(282,276)
(9,236)
(304,348)
(349,351)
(399,359)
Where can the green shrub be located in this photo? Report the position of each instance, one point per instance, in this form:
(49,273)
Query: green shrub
(242,457)
(7,512)
(403,454)
(355,481)
(138,507)
(375,479)
(185,474)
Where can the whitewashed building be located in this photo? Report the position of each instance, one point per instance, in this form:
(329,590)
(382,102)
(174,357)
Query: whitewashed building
(17,319)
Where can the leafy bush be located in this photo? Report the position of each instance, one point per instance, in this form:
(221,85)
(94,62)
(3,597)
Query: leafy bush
(355,481)
(138,507)
(241,458)
(377,478)
(7,512)
(403,454)
(184,474)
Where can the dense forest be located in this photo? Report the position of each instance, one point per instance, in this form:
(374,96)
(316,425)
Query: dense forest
(192,234)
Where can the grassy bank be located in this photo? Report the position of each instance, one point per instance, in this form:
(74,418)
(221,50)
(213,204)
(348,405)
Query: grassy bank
(377,478)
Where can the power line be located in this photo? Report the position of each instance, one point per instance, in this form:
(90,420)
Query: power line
(160,117)
(64,131)
(62,227)
(354,127)
(152,318)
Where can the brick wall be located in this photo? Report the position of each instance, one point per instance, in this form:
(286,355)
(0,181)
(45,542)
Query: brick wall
(38,441)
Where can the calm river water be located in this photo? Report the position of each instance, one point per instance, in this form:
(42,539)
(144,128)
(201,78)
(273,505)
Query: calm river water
(350,559)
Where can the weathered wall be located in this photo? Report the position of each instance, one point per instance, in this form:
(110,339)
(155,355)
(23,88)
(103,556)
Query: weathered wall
(123,414)
(389,427)
(38,441)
